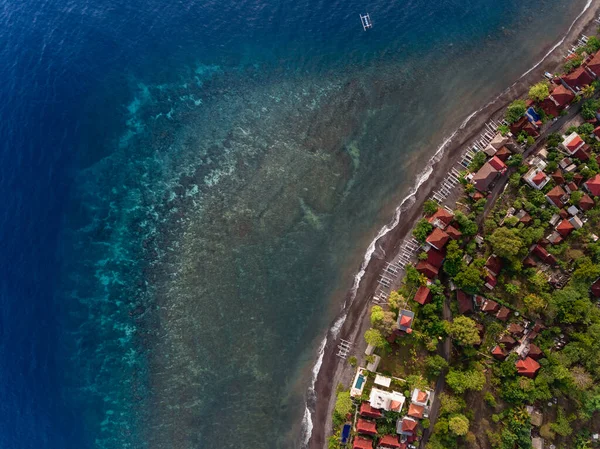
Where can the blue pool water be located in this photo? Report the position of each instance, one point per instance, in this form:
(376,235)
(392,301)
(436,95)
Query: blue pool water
(187,185)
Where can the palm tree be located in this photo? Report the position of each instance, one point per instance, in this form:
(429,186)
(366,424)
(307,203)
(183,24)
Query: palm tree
(588,91)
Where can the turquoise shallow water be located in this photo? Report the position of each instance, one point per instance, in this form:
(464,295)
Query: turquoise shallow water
(195,180)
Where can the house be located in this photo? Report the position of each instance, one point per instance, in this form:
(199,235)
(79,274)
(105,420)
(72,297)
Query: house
(366,427)
(565,162)
(535,352)
(441,218)
(524,125)
(435,258)
(427,269)
(438,238)
(465,303)
(498,164)
(507,341)
(498,141)
(586,203)
(485,176)
(490,306)
(557,196)
(405,320)
(536,178)
(493,264)
(578,179)
(454,233)
(576,222)
(490,281)
(555,238)
(593,65)
(388,401)
(558,177)
(541,253)
(524,217)
(527,367)
(572,143)
(503,153)
(595,288)
(577,79)
(560,98)
(366,411)
(564,228)
(423,295)
(593,185)
(389,441)
(406,426)
(515,329)
(596,132)
(503,313)
(499,353)
(419,406)
(362,443)
(572,210)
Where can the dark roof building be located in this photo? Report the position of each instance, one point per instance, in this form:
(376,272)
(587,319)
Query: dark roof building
(494,264)
(503,313)
(578,78)
(503,153)
(507,341)
(586,202)
(556,196)
(465,303)
(441,218)
(427,269)
(499,352)
(423,295)
(485,176)
(535,352)
(367,411)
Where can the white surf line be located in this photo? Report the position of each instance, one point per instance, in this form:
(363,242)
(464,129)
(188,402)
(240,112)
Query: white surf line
(307,423)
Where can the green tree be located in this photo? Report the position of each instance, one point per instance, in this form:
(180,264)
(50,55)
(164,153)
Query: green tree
(376,315)
(515,160)
(374,337)
(576,197)
(505,242)
(515,111)
(534,303)
(562,425)
(458,424)
(467,226)
(478,161)
(435,365)
(461,381)
(588,91)
(422,230)
(454,256)
(463,330)
(469,279)
(430,207)
(396,300)
(451,404)
(539,91)
(343,405)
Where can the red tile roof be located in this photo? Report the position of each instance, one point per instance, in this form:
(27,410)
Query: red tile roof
(362,443)
(564,228)
(562,96)
(494,264)
(538,178)
(597,131)
(421,396)
(515,329)
(442,215)
(575,143)
(408,425)
(586,202)
(427,269)
(572,186)
(405,320)
(435,257)
(497,163)
(485,176)
(366,427)
(527,367)
(369,412)
(594,64)
(499,353)
(438,238)
(503,313)
(390,441)
(465,303)
(534,352)
(416,411)
(423,295)
(593,185)
(558,177)
(577,179)
(490,306)
(578,78)
(555,196)
(490,280)
(503,153)
(453,232)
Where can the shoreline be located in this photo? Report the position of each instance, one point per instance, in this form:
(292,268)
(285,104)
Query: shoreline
(352,320)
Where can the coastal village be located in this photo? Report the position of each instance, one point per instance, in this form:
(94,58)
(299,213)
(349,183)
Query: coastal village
(492,338)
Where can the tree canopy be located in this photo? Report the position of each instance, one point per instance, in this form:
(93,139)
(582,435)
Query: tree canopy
(515,111)
(539,91)
(461,381)
(505,242)
(430,207)
(422,230)
(375,338)
(458,424)
(463,330)
(469,279)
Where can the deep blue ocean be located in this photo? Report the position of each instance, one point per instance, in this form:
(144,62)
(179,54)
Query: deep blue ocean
(187,184)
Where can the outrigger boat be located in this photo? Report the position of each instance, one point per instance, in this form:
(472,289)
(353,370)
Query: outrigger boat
(366,21)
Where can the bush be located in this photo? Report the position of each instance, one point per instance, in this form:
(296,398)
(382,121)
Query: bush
(515,111)
(478,161)
(430,207)
(353,361)
(539,91)
(422,230)
(490,400)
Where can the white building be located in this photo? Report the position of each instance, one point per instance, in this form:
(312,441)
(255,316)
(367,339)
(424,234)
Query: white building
(386,400)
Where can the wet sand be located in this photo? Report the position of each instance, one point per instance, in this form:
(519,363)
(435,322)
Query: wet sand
(335,370)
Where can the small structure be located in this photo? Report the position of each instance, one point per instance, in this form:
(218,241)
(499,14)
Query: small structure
(499,353)
(576,222)
(365,19)
(527,367)
(534,352)
(366,411)
(564,228)
(441,218)
(498,164)
(406,427)
(391,442)
(362,443)
(503,153)
(557,197)
(388,401)
(405,320)
(490,281)
(577,79)
(372,366)
(453,232)
(593,185)
(558,177)
(536,178)
(427,269)
(503,313)
(490,306)
(586,202)
(572,143)
(537,443)
(382,380)
(423,295)
(465,302)
(493,264)
(507,341)
(358,384)
(515,329)
(438,239)
(366,427)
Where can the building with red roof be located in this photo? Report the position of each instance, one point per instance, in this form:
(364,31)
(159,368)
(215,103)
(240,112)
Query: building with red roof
(535,352)
(556,196)
(578,79)
(577,179)
(498,164)
(416,411)
(438,239)
(507,341)
(527,367)
(593,185)
(586,202)
(593,65)
(453,232)
(427,269)
(423,295)
(490,306)
(362,443)
(499,352)
(405,320)
(390,441)
(503,313)
(524,125)
(564,228)
(595,288)
(490,281)
(558,177)
(435,257)
(572,143)
(597,132)
(503,153)
(559,99)
(366,411)
(465,302)
(407,426)
(485,176)
(441,218)
(494,264)
(366,427)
